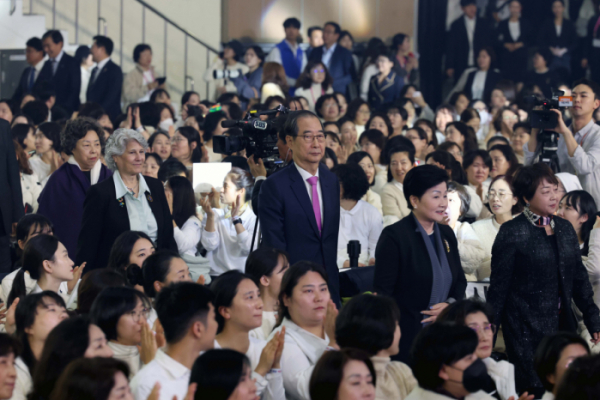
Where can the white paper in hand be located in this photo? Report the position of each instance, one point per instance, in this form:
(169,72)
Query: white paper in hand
(212,174)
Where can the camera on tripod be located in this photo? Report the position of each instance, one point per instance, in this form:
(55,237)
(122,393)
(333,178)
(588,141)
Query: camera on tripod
(259,138)
(547,121)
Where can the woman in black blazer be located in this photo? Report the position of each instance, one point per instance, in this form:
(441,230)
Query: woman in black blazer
(514,37)
(126,201)
(417,260)
(482,82)
(561,45)
(536,274)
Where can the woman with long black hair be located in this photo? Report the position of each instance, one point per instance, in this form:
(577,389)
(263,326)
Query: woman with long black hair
(536,273)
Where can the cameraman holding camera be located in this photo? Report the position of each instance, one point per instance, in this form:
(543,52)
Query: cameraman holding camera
(579,145)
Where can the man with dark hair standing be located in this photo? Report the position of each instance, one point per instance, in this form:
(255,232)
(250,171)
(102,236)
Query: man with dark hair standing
(62,71)
(468,34)
(11,198)
(337,59)
(300,205)
(579,145)
(288,53)
(315,39)
(34,54)
(106,81)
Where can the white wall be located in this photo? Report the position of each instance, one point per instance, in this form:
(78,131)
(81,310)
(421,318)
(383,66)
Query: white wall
(202,18)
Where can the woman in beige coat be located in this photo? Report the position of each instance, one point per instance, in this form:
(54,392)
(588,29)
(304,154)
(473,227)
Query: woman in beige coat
(371,323)
(395,207)
(140,82)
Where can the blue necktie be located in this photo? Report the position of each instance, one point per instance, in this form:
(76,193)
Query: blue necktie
(31,78)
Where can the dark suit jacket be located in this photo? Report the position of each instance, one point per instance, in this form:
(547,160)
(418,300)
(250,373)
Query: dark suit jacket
(491,80)
(104,219)
(66,81)
(341,67)
(288,221)
(457,54)
(568,35)
(386,93)
(11,198)
(106,89)
(23,87)
(403,271)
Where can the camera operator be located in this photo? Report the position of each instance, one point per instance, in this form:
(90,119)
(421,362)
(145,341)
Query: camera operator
(579,145)
(229,60)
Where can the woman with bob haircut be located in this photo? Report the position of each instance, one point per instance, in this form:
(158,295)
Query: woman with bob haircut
(308,315)
(365,161)
(477,165)
(504,205)
(546,280)
(420,239)
(223,374)
(476,314)
(127,201)
(266,266)
(63,196)
(553,358)
(120,312)
(9,351)
(97,378)
(345,374)
(73,338)
(371,323)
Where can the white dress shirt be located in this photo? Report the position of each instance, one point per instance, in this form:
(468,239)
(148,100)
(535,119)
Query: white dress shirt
(585,162)
(478,85)
(188,236)
(38,68)
(307,175)
(24,383)
(86,74)
(327,54)
(363,223)
(515,30)
(470,25)
(173,377)
(228,250)
(141,217)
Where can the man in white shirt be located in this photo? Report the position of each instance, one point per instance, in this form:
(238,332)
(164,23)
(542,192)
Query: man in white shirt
(288,53)
(579,145)
(187,315)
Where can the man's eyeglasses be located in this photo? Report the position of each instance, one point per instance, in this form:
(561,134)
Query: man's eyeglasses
(311,138)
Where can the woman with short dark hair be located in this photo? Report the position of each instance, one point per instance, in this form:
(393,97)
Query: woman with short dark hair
(365,161)
(371,323)
(420,239)
(141,81)
(314,82)
(345,374)
(547,279)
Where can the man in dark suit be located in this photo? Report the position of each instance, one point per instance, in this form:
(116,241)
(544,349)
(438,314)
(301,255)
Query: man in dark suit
(11,199)
(62,71)
(468,34)
(300,205)
(106,81)
(34,54)
(337,59)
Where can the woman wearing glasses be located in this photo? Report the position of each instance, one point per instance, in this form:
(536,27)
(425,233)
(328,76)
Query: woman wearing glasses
(186,146)
(477,316)
(121,313)
(313,83)
(504,204)
(537,273)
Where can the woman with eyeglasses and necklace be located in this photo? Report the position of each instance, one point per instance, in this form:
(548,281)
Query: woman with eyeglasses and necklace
(313,83)
(536,273)
(477,315)
(122,313)
(504,204)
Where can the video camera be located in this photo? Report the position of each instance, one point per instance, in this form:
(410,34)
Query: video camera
(259,138)
(227,73)
(546,121)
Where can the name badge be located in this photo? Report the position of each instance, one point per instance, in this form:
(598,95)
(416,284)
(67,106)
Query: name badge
(596,43)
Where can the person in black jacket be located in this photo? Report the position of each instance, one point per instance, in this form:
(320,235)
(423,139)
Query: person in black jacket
(11,199)
(126,201)
(536,274)
(106,81)
(559,36)
(482,82)
(417,259)
(467,35)
(34,54)
(514,36)
(62,71)
(385,87)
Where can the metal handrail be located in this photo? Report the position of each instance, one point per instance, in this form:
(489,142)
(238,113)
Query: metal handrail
(176,26)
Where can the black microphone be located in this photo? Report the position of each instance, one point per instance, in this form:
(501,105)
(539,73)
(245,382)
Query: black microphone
(229,123)
(353,252)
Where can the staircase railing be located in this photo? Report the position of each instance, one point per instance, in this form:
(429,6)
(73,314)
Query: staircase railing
(102,29)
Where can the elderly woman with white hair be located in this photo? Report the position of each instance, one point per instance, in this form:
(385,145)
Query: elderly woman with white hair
(126,201)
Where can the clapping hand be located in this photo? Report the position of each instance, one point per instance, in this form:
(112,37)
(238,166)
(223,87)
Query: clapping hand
(77,271)
(206,206)
(235,207)
(270,353)
(332,313)
(149,346)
